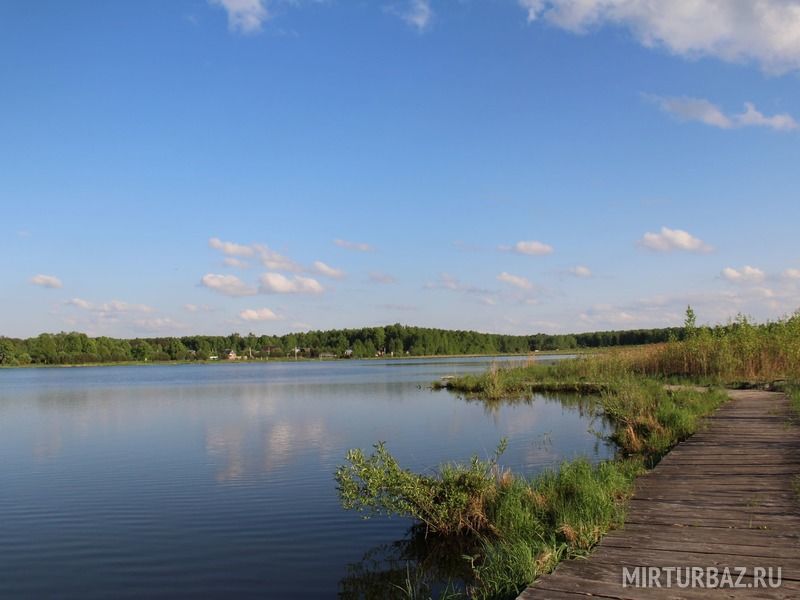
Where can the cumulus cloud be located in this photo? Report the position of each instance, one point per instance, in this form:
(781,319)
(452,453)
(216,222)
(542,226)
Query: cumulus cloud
(380,277)
(110,308)
(267,256)
(673,239)
(158,324)
(609,315)
(46,281)
(398,307)
(275,283)
(258,314)
(746,274)
(232,261)
(703,111)
(276,261)
(328,271)
(694,109)
(515,280)
(80,303)
(765,32)
(792,273)
(530,248)
(231,248)
(752,117)
(229,285)
(449,282)
(244,16)
(581,271)
(355,246)
(417,13)
(195,308)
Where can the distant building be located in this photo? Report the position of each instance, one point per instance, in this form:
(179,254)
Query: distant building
(229,354)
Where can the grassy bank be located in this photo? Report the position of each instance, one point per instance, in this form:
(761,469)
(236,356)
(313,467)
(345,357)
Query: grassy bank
(734,355)
(523,527)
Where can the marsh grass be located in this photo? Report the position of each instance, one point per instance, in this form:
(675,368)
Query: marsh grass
(794,400)
(738,354)
(524,527)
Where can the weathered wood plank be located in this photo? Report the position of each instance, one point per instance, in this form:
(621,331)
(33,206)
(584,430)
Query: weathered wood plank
(723,498)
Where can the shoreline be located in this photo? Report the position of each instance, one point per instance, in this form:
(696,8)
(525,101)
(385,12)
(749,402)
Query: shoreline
(131,363)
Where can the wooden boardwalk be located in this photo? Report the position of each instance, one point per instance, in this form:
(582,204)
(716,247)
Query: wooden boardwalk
(724,497)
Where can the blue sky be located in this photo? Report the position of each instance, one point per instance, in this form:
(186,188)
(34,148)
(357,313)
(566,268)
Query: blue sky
(500,165)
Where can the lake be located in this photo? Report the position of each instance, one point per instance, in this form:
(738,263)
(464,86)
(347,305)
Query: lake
(206,480)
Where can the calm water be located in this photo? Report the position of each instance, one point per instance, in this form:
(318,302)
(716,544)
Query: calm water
(204,480)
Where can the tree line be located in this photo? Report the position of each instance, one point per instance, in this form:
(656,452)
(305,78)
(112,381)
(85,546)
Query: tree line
(392,340)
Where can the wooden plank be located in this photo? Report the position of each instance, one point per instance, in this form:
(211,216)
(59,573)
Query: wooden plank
(714,535)
(722,498)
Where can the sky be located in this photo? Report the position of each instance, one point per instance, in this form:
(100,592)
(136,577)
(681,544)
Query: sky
(512,166)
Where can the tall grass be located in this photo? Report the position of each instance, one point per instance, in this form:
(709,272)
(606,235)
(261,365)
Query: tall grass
(524,527)
(739,352)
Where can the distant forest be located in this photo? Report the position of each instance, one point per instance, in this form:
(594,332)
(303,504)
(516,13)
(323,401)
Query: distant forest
(393,340)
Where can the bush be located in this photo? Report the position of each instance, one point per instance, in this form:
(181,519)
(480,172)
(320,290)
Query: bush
(453,501)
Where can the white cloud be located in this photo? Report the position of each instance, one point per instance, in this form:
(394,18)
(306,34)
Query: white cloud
(119,306)
(765,32)
(673,239)
(229,285)
(792,273)
(258,314)
(47,281)
(746,274)
(275,283)
(699,109)
(231,248)
(515,280)
(417,13)
(581,271)
(694,109)
(448,282)
(380,277)
(356,246)
(244,16)
(276,261)
(193,308)
(232,261)
(268,257)
(80,303)
(531,248)
(159,324)
(110,310)
(752,117)
(328,271)
(399,307)
(609,315)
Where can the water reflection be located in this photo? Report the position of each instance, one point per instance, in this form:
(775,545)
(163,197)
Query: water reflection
(204,478)
(422,565)
(245,450)
(417,566)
